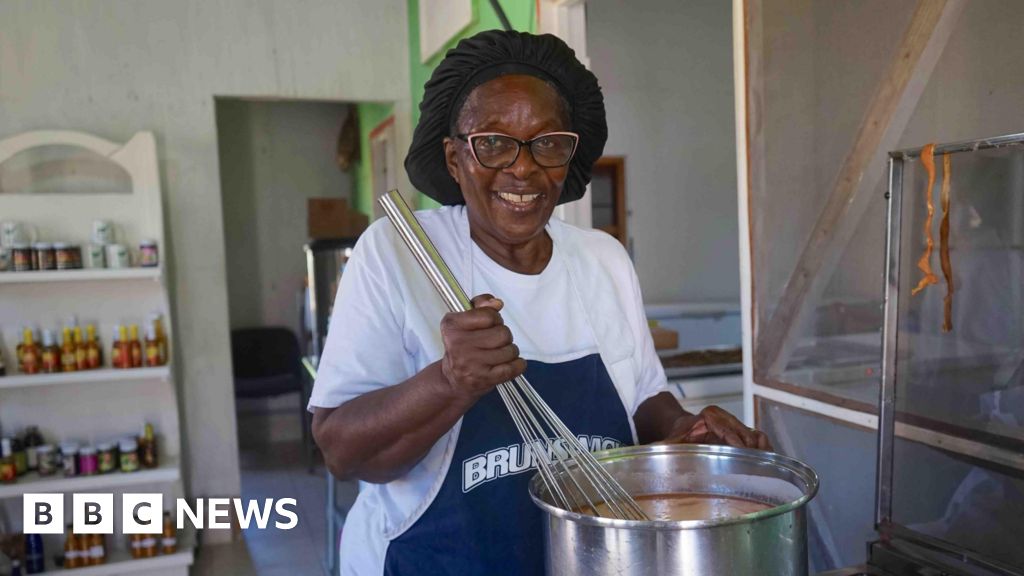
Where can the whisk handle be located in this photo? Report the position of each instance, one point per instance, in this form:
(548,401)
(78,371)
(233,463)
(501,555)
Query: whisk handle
(412,233)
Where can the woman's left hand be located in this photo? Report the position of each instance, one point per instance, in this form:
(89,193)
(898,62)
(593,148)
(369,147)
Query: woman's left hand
(716,426)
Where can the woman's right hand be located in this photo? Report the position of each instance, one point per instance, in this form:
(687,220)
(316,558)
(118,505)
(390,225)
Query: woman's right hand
(478,349)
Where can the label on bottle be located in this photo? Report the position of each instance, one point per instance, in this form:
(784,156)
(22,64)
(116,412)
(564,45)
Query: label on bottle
(33,458)
(168,542)
(72,555)
(149,542)
(96,551)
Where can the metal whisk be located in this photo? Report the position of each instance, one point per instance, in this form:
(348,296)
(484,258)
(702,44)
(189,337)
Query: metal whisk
(573,477)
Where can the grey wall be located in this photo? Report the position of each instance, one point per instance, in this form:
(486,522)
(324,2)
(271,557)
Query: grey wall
(273,157)
(116,67)
(666,70)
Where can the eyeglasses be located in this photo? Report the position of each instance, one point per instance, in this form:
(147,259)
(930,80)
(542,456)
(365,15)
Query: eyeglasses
(499,151)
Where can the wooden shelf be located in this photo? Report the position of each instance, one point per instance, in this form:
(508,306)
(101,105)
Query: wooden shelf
(33,483)
(121,561)
(86,377)
(85,275)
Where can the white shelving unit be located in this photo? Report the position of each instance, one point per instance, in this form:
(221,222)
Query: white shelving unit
(161,373)
(93,406)
(84,275)
(34,484)
(120,562)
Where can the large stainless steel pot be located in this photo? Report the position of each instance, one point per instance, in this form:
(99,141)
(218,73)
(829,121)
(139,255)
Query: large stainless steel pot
(770,542)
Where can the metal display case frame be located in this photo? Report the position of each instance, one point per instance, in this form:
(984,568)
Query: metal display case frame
(901,546)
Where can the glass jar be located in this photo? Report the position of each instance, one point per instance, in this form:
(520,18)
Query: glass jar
(88,461)
(149,256)
(69,458)
(47,460)
(108,461)
(129,455)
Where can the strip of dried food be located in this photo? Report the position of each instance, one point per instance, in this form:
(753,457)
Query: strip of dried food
(947,265)
(924,263)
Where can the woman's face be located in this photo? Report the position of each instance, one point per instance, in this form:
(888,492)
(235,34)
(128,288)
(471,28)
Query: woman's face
(510,205)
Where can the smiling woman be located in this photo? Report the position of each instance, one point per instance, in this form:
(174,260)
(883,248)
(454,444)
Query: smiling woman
(511,125)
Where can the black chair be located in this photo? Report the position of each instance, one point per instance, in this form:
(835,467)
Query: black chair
(268,362)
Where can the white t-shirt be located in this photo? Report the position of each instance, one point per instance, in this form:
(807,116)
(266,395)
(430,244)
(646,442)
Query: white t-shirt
(547,321)
(386,327)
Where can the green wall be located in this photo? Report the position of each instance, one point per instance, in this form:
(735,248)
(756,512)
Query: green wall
(520,15)
(370,115)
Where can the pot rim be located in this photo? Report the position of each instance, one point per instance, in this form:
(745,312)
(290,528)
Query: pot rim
(798,468)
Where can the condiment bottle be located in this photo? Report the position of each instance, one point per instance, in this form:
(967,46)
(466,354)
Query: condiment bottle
(161,337)
(18,350)
(34,556)
(47,460)
(116,356)
(97,549)
(135,347)
(3,367)
(107,458)
(169,539)
(33,440)
(50,357)
(124,347)
(8,470)
(72,559)
(147,447)
(68,362)
(149,547)
(30,354)
(19,455)
(93,352)
(81,361)
(152,347)
(135,543)
(129,455)
(88,461)
(69,458)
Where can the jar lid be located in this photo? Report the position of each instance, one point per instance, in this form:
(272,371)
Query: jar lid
(42,246)
(129,445)
(60,245)
(147,242)
(44,448)
(68,447)
(105,446)
(19,246)
(87,451)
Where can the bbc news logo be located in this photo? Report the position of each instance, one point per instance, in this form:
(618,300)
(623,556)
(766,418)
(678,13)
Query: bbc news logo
(143,513)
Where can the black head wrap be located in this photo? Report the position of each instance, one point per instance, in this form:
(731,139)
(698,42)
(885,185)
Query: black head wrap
(484,57)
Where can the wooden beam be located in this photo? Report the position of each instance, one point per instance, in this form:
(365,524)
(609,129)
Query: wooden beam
(884,121)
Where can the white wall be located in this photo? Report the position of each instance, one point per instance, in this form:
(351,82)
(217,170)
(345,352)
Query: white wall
(115,67)
(666,70)
(274,156)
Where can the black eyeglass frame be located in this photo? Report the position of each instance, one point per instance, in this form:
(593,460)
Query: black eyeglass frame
(468,139)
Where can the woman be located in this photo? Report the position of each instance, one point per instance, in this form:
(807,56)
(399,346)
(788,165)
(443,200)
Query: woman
(510,127)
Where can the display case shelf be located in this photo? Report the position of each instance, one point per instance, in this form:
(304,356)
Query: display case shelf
(33,483)
(162,373)
(84,275)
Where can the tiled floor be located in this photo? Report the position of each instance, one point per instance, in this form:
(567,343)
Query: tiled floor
(279,471)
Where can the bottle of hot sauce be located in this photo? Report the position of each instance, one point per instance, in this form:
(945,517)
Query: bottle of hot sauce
(31,361)
(123,348)
(68,362)
(116,356)
(50,357)
(93,355)
(80,353)
(152,347)
(135,348)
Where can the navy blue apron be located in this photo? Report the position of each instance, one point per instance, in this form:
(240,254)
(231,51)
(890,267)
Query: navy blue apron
(482,520)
